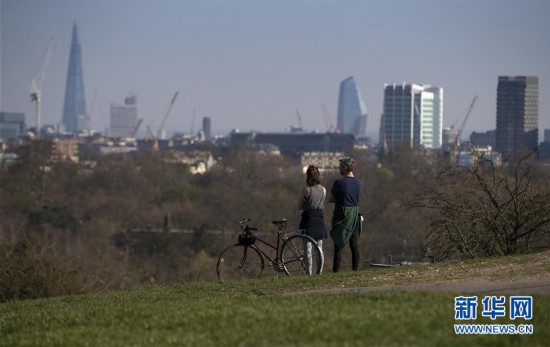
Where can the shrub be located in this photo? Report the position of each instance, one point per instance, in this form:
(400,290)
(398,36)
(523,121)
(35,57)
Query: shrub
(25,274)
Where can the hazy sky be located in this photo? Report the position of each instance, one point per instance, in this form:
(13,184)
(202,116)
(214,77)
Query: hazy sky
(251,64)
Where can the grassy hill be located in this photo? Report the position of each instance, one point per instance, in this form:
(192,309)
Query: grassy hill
(268,312)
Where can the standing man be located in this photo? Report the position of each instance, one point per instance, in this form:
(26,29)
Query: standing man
(346,223)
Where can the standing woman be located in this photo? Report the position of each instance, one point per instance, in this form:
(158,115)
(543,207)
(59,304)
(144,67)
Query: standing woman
(312,202)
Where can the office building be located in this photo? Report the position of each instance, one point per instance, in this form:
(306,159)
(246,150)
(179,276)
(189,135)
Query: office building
(75,118)
(448,138)
(544,147)
(517,114)
(352,112)
(124,118)
(207,128)
(412,116)
(12,125)
(486,139)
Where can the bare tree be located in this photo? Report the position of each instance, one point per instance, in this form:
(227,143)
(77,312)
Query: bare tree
(484,210)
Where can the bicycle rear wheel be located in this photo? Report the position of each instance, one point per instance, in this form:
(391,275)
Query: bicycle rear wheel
(301,256)
(239,262)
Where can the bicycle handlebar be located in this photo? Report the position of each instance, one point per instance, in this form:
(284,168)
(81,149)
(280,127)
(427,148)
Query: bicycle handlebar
(245,227)
(281,224)
(245,220)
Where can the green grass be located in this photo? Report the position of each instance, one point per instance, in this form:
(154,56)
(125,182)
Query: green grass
(256,313)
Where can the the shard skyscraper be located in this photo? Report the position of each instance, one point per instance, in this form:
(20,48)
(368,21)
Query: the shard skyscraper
(74,110)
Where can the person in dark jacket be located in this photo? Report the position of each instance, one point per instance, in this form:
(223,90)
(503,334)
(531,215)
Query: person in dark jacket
(346,223)
(312,202)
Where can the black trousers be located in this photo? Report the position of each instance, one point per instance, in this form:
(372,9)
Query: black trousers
(355,254)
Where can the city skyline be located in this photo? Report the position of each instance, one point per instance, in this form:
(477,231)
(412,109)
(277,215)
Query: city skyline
(250,65)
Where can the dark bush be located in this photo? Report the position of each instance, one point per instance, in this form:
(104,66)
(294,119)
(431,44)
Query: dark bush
(24,274)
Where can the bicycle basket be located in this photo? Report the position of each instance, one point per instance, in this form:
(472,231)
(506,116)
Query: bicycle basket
(247,239)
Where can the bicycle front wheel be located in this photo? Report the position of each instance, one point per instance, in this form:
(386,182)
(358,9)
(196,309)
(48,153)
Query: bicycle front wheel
(238,262)
(301,256)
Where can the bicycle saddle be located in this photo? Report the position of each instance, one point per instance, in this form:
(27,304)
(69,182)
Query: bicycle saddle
(279,223)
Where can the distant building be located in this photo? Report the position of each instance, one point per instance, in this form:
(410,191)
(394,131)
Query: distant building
(199,161)
(124,118)
(352,112)
(74,111)
(325,161)
(468,158)
(486,139)
(517,114)
(65,150)
(207,128)
(149,145)
(544,147)
(448,137)
(544,151)
(12,125)
(297,143)
(412,115)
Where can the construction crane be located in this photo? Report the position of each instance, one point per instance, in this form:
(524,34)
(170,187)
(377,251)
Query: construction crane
(134,132)
(299,120)
(159,131)
(328,121)
(36,88)
(454,148)
(149,133)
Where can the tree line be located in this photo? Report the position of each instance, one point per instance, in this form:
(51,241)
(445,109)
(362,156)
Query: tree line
(67,229)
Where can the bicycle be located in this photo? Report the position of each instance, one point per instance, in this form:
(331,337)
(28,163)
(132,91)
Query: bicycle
(297,254)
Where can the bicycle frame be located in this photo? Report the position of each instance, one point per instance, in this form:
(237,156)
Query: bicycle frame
(277,259)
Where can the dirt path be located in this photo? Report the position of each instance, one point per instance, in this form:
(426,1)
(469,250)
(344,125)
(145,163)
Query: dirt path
(522,275)
(516,287)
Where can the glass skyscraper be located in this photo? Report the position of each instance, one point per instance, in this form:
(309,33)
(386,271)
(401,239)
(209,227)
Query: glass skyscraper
(74,110)
(352,112)
(412,116)
(517,114)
